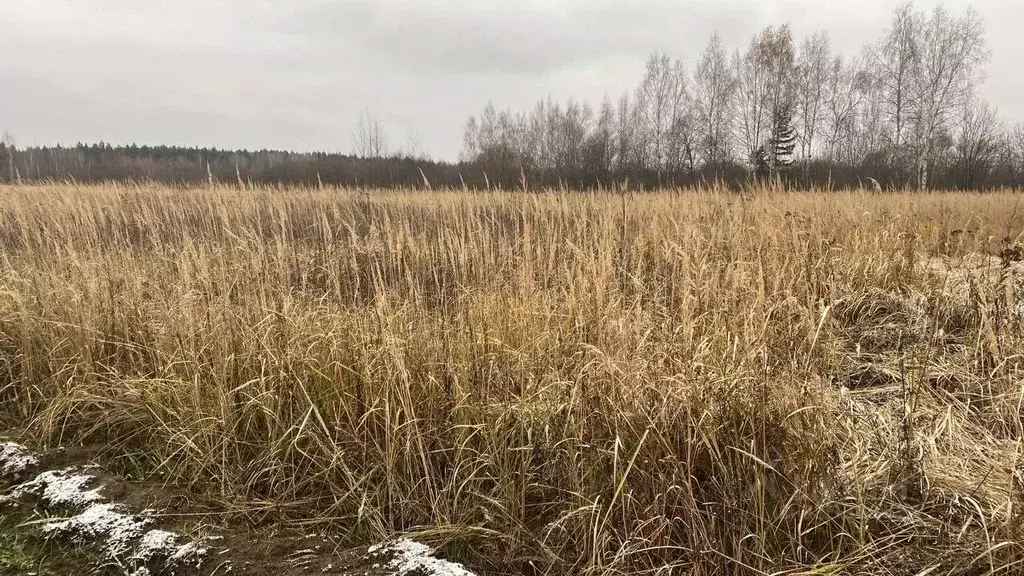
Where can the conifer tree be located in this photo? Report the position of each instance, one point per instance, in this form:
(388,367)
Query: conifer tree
(776,154)
(782,141)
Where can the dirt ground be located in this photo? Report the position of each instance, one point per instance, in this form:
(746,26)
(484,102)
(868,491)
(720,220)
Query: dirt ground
(234,544)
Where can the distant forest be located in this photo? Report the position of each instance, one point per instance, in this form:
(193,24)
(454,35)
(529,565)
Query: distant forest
(904,113)
(178,165)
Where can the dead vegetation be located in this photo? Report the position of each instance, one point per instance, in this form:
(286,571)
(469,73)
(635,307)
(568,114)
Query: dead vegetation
(686,382)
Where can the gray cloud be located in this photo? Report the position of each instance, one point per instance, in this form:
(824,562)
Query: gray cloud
(512,38)
(295,73)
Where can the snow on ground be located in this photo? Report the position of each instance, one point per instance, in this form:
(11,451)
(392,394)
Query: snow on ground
(100,523)
(154,544)
(15,459)
(126,539)
(163,546)
(122,536)
(408,557)
(60,488)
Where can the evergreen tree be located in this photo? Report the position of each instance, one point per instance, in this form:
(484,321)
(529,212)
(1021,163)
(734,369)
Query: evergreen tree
(761,162)
(776,154)
(782,142)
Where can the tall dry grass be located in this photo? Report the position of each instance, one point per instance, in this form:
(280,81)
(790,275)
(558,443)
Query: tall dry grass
(675,382)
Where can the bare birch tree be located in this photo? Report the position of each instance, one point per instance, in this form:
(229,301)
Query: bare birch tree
(978,142)
(713,94)
(626,141)
(369,137)
(895,60)
(814,69)
(845,92)
(662,101)
(950,54)
(1014,152)
(600,146)
(751,96)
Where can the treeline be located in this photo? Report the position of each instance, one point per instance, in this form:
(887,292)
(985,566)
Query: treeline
(189,166)
(903,113)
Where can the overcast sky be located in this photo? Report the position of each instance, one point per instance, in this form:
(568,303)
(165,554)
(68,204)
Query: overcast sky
(294,74)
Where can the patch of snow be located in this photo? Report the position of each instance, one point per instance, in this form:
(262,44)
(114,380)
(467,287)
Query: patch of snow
(101,522)
(161,545)
(98,521)
(409,557)
(15,459)
(188,554)
(60,488)
(156,544)
(118,532)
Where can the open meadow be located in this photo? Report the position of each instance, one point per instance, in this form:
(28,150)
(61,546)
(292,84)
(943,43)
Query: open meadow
(685,382)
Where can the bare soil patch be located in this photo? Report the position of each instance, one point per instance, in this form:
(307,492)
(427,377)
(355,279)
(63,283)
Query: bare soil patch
(61,513)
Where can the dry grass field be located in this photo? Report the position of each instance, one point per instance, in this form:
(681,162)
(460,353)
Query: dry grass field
(684,382)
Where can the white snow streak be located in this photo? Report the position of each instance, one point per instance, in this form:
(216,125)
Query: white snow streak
(409,557)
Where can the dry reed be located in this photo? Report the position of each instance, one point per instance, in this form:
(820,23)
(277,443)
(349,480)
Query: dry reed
(561,383)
